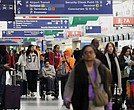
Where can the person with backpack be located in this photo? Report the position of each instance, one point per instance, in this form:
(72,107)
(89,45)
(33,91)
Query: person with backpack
(69,64)
(32,68)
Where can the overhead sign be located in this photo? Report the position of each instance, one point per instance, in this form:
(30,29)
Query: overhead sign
(93,29)
(38,24)
(7,10)
(74,33)
(52,7)
(22,34)
(124,21)
(49,38)
(10,42)
(59,35)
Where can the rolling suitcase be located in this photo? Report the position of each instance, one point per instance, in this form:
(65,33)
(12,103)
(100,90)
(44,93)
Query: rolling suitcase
(23,86)
(116,100)
(21,82)
(12,94)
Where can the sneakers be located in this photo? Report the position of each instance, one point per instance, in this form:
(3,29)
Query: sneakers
(28,92)
(55,98)
(124,106)
(32,94)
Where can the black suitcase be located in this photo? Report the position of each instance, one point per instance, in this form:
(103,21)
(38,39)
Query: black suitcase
(23,86)
(130,103)
(12,94)
(21,81)
(116,101)
(12,97)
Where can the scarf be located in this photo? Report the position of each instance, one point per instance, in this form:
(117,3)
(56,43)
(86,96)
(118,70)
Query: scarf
(127,68)
(118,69)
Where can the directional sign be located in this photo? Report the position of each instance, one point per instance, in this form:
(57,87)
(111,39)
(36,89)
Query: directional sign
(22,34)
(39,24)
(124,21)
(7,10)
(52,7)
(59,35)
(10,42)
(93,29)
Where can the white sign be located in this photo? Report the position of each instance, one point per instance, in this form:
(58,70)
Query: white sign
(3,25)
(49,38)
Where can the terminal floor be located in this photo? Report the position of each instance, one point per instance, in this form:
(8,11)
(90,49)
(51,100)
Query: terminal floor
(30,103)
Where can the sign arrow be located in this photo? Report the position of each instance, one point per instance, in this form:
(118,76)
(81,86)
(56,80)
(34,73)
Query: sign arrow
(108,3)
(41,32)
(65,21)
(9,22)
(19,3)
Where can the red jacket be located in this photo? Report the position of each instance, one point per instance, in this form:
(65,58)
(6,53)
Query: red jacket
(11,60)
(54,59)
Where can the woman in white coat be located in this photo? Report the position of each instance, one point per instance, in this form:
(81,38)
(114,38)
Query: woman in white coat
(113,65)
(22,63)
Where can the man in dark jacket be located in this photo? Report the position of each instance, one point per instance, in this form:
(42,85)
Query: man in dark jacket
(3,67)
(77,55)
(99,54)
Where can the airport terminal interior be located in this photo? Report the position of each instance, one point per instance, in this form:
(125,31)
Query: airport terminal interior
(58,25)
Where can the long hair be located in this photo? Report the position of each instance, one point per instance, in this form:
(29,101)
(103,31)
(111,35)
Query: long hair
(114,50)
(29,50)
(55,47)
(124,50)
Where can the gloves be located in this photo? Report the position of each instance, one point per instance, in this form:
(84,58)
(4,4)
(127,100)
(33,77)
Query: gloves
(109,106)
(67,104)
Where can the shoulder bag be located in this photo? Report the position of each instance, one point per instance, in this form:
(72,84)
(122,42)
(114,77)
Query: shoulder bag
(101,97)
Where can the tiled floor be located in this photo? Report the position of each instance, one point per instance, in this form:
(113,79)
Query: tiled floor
(28,103)
(38,104)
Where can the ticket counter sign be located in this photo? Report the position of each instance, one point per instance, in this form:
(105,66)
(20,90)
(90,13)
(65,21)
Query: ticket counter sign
(62,7)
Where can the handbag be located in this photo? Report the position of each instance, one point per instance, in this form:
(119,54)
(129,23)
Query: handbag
(124,74)
(62,70)
(101,97)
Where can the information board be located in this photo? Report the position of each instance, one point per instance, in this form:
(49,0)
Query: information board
(52,7)
(93,29)
(22,34)
(38,24)
(59,35)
